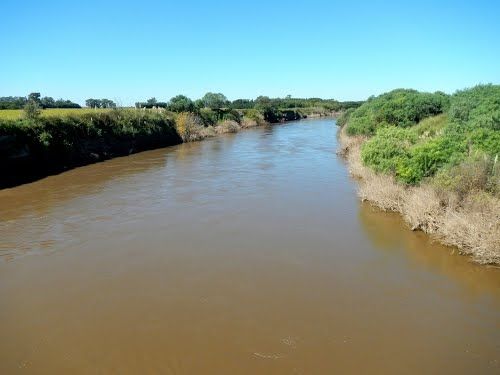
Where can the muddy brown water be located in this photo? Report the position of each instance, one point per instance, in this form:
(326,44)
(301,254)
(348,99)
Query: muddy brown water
(247,253)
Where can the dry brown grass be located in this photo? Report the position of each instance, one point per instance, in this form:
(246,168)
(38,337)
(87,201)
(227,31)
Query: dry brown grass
(248,123)
(227,126)
(474,227)
(470,221)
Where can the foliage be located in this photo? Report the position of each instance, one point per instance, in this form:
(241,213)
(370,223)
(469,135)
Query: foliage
(18,102)
(181,103)
(387,149)
(151,103)
(265,102)
(100,103)
(32,109)
(60,138)
(440,146)
(401,107)
(12,102)
(478,107)
(188,126)
(208,117)
(214,100)
(343,119)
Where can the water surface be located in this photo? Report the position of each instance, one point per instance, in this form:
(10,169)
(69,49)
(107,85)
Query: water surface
(247,253)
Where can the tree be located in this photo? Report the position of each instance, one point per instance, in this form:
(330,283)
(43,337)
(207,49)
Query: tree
(47,102)
(93,103)
(34,96)
(107,103)
(263,102)
(12,102)
(32,109)
(215,100)
(242,104)
(181,103)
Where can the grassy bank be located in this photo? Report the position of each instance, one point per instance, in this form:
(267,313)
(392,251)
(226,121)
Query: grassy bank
(34,148)
(434,159)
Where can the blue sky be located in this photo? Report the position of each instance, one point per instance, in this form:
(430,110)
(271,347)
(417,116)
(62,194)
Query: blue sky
(132,50)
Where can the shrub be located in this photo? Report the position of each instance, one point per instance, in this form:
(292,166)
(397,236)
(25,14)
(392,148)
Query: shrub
(32,110)
(402,108)
(188,127)
(477,107)
(387,148)
(425,159)
(208,117)
(477,172)
(254,115)
(442,142)
(181,103)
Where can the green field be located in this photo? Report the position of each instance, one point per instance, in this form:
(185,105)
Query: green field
(14,114)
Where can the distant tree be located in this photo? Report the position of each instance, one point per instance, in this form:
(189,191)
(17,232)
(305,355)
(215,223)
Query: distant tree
(34,96)
(61,103)
(107,103)
(92,103)
(215,100)
(263,102)
(47,102)
(242,104)
(12,102)
(181,103)
(151,101)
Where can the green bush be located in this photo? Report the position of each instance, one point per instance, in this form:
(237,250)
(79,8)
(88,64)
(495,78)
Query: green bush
(477,107)
(426,158)
(385,151)
(401,107)
(412,146)
(343,119)
(208,117)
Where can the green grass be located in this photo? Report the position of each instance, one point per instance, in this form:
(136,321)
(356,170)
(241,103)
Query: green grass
(14,114)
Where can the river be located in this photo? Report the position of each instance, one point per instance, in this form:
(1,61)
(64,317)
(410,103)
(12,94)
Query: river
(245,253)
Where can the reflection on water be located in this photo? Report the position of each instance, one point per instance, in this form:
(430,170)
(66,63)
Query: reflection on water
(389,234)
(247,253)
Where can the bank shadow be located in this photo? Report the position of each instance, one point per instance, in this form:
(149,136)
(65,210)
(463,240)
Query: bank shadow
(389,234)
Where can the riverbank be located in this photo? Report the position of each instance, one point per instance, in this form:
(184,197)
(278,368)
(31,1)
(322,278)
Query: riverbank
(31,149)
(470,224)
(454,195)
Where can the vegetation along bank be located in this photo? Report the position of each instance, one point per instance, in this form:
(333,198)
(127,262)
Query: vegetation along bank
(41,139)
(433,158)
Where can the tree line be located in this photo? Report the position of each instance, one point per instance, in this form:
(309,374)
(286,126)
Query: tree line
(100,103)
(215,101)
(19,102)
(181,103)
